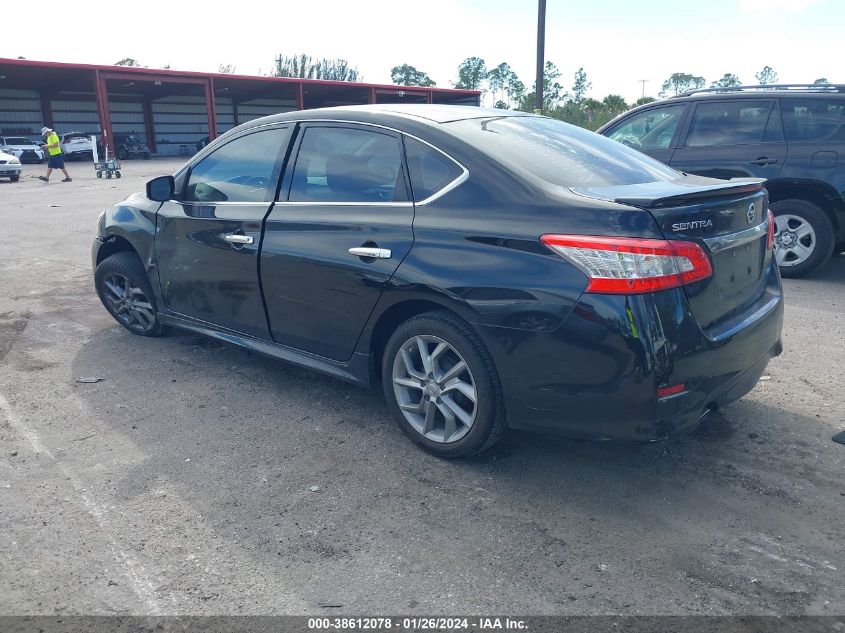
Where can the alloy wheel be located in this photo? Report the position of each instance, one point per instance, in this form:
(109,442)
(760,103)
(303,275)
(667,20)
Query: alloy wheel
(435,389)
(795,240)
(128,303)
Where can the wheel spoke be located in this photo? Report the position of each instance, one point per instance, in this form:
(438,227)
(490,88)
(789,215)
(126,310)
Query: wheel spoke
(409,365)
(114,289)
(145,318)
(413,407)
(455,371)
(462,387)
(424,355)
(449,425)
(455,408)
(411,383)
(780,256)
(430,412)
(801,251)
(805,230)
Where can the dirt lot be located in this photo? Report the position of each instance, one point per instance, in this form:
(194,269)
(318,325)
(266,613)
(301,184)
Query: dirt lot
(181,483)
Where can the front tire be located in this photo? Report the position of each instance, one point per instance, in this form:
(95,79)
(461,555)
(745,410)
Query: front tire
(442,387)
(125,291)
(804,238)
(14,178)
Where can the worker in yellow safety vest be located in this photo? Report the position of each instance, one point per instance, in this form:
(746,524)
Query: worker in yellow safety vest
(54,149)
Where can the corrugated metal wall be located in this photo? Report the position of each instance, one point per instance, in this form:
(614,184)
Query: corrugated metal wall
(179,124)
(75,112)
(20,112)
(249,110)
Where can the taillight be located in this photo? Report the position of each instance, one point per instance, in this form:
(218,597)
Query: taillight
(625,265)
(770,236)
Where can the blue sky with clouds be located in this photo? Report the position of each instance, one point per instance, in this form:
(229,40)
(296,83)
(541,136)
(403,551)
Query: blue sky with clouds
(617,42)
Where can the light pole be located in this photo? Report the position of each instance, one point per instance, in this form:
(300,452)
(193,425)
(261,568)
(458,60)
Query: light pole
(541,45)
(643,82)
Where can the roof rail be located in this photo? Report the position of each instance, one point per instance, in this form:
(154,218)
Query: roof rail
(784,87)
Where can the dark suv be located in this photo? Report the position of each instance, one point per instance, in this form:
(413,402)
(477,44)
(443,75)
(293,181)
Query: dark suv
(792,136)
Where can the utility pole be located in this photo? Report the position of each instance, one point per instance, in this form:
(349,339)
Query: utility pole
(643,82)
(541,46)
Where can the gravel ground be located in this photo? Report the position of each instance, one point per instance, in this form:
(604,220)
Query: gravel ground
(182,483)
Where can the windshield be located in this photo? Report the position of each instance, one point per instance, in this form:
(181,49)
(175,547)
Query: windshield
(18,140)
(561,154)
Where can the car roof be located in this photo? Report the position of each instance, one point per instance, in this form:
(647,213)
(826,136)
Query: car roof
(422,112)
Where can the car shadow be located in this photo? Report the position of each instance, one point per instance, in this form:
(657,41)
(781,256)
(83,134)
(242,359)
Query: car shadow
(296,467)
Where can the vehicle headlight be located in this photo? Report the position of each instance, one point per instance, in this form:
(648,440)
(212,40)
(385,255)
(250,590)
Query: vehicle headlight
(14,161)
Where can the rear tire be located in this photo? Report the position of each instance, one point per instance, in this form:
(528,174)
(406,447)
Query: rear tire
(14,178)
(125,291)
(804,237)
(424,394)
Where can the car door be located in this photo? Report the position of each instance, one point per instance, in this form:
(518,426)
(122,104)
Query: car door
(733,139)
(653,131)
(207,240)
(342,226)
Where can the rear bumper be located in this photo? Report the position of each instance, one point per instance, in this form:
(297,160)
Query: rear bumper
(597,375)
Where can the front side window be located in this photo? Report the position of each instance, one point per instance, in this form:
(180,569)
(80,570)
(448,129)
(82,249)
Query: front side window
(341,164)
(812,119)
(560,154)
(430,170)
(651,129)
(242,170)
(738,122)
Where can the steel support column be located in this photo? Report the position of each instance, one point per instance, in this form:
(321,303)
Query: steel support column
(149,127)
(300,96)
(46,109)
(211,109)
(101,94)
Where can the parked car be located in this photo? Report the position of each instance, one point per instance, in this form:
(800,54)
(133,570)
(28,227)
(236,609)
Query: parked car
(77,145)
(24,149)
(791,136)
(131,145)
(10,166)
(487,268)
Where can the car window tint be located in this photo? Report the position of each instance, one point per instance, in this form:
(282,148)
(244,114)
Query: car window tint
(738,122)
(559,153)
(242,170)
(651,129)
(337,164)
(431,170)
(812,119)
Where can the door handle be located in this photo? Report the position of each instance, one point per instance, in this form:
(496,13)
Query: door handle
(764,160)
(367,251)
(235,238)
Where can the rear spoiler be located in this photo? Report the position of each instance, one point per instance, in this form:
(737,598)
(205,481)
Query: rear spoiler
(689,190)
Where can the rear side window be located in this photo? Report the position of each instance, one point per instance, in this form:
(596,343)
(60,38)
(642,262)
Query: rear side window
(812,119)
(560,154)
(338,164)
(738,122)
(242,170)
(430,169)
(651,129)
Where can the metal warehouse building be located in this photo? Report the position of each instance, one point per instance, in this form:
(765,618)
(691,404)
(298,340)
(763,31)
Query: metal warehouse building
(172,110)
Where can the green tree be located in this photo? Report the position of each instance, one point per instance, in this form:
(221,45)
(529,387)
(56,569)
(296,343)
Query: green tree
(767,76)
(497,78)
(471,73)
(226,69)
(679,83)
(728,80)
(306,67)
(821,81)
(128,61)
(580,86)
(501,105)
(614,105)
(552,91)
(407,75)
(644,100)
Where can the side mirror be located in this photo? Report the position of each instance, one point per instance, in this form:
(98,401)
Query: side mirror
(161,189)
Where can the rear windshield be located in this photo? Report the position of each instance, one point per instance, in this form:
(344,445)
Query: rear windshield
(76,137)
(559,153)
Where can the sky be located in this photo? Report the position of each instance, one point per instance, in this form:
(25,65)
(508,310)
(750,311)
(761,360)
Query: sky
(617,42)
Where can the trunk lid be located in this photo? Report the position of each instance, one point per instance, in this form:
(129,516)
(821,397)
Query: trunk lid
(728,219)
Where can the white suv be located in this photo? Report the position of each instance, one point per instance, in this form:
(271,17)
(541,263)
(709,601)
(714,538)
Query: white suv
(10,166)
(77,145)
(26,150)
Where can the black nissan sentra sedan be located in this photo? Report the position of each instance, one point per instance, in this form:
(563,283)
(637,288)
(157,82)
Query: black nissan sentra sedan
(490,269)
